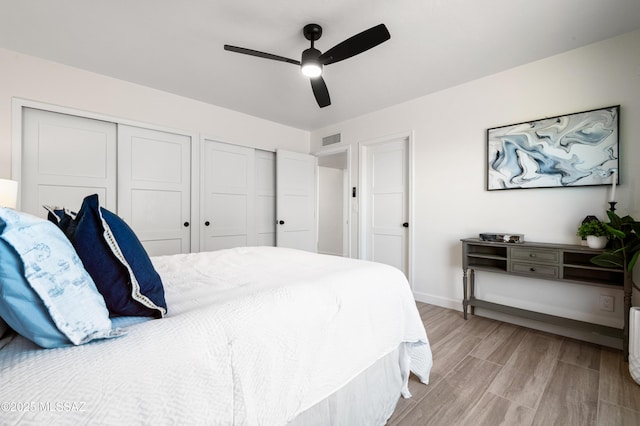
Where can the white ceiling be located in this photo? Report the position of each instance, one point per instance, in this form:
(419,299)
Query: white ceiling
(177,46)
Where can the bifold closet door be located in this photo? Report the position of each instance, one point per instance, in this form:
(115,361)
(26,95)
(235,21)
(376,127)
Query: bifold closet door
(154,188)
(64,159)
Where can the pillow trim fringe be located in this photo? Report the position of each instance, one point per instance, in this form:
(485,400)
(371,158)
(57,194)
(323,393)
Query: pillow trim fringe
(136,294)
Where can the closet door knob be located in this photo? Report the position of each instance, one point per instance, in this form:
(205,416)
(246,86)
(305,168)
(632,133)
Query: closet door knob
(207,223)
(406,224)
(281,222)
(186,224)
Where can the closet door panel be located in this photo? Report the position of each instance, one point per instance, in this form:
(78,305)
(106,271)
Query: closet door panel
(230,214)
(154,188)
(64,159)
(265,212)
(58,145)
(229,196)
(265,223)
(158,160)
(296,200)
(163,206)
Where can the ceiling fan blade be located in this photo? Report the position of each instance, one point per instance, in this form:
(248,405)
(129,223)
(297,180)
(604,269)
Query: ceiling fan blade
(259,54)
(320,91)
(356,44)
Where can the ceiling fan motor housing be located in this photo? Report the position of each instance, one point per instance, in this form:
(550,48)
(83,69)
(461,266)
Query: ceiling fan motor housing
(310,60)
(312,32)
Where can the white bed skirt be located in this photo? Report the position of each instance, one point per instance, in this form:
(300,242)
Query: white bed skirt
(368,400)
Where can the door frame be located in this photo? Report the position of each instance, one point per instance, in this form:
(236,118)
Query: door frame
(346,227)
(18,104)
(362,183)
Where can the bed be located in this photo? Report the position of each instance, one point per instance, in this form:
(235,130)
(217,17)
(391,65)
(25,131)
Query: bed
(251,335)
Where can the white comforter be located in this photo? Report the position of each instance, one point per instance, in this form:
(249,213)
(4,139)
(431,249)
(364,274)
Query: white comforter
(252,336)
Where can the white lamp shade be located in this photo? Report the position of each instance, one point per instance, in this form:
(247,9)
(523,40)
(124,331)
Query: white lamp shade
(8,193)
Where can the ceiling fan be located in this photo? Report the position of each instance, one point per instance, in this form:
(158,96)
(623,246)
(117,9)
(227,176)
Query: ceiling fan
(313,60)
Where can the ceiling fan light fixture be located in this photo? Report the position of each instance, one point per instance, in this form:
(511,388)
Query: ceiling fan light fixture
(310,65)
(311,70)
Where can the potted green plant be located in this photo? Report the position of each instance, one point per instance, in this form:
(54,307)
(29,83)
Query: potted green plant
(625,245)
(595,233)
(623,253)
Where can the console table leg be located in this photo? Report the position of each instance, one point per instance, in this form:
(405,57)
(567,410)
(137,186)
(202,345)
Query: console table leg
(465,302)
(472,289)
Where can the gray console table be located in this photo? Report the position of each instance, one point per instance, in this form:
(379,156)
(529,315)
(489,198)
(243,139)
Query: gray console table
(559,262)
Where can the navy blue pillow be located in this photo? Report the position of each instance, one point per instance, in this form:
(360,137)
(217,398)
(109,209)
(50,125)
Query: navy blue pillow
(115,259)
(64,218)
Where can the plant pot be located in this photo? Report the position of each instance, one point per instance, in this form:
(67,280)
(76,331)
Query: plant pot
(597,242)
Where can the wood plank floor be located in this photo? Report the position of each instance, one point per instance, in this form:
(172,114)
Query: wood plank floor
(487,372)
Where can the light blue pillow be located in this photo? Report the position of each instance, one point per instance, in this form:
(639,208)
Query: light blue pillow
(45,293)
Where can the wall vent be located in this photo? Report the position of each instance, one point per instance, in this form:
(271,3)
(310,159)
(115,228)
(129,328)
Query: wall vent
(330,140)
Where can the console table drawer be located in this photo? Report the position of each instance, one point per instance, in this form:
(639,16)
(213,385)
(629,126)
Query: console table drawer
(534,269)
(535,255)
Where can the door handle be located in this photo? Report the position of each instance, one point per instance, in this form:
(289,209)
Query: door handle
(281,222)
(186,224)
(406,224)
(207,223)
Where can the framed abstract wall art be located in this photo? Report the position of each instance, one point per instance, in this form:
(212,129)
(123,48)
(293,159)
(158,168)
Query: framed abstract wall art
(579,149)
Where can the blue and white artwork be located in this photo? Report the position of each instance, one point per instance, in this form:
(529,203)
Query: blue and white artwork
(578,149)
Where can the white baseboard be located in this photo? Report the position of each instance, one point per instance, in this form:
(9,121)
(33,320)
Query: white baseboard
(443,302)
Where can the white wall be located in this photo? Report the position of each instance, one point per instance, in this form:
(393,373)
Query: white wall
(450,200)
(39,80)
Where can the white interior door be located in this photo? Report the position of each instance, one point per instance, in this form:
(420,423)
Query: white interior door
(386,213)
(296,200)
(64,159)
(154,188)
(228,204)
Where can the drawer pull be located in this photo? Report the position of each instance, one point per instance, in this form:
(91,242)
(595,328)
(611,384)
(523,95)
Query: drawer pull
(532,255)
(532,269)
